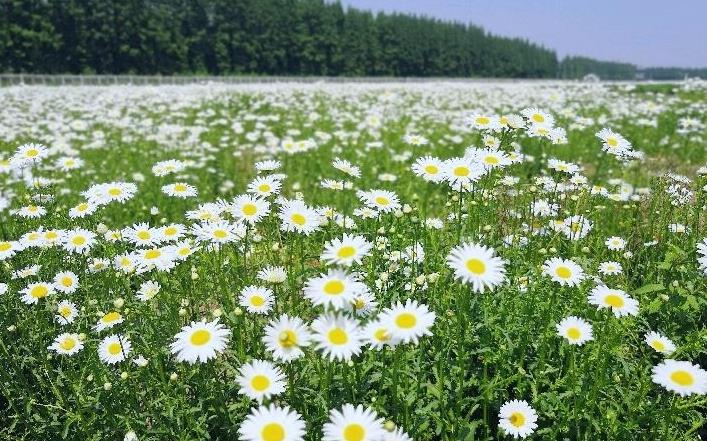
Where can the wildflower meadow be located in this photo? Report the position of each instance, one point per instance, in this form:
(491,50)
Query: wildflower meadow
(354,261)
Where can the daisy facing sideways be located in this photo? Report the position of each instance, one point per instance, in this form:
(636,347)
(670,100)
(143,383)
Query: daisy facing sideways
(335,289)
(35,291)
(200,341)
(517,418)
(618,301)
(660,343)
(66,344)
(347,250)
(681,377)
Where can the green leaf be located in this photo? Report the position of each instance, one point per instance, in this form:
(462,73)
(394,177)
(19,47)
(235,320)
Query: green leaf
(652,287)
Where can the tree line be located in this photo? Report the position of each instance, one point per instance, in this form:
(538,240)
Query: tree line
(268,37)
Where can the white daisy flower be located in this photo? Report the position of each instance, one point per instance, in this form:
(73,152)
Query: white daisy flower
(577,331)
(285,337)
(408,322)
(563,271)
(256,299)
(114,348)
(66,344)
(272,423)
(353,424)
(259,380)
(517,418)
(477,265)
(339,338)
(681,377)
(347,250)
(200,341)
(660,343)
(618,301)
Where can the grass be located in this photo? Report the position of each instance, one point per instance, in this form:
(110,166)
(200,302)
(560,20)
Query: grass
(485,348)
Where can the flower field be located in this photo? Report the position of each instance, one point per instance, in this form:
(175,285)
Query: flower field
(355,262)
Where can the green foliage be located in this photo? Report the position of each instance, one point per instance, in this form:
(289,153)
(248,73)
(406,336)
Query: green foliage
(485,349)
(275,37)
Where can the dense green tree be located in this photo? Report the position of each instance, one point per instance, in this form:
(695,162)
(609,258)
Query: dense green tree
(270,37)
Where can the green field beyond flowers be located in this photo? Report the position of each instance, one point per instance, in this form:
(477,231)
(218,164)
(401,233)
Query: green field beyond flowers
(355,262)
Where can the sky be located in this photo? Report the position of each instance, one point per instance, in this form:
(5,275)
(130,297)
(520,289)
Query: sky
(642,32)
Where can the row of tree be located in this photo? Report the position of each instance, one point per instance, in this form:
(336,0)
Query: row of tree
(269,37)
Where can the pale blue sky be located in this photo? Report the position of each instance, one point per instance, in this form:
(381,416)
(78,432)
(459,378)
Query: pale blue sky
(643,32)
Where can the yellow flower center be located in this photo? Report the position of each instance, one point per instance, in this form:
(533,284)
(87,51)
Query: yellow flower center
(257,301)
(111,317)
(613,142)
(200,337)
(144,235)
(338,336)
(406,320)
(115,192)
(39,291)
(461,171)
(114,348)
(68,344)
(153,254)
(683,378)
(563,272)
(491,160)
(658,345)
(346,252)
(260,383)
(180,187)
(287,338)
(382,200)
(298,219)
(264,188)
(382,334)
(249,209)
(67,281)
(614,300)
(4,246)
(432,169)
(170,231)
(78,240)
(51,235)
(476,266)
(538,118)
(82,206)
(354,432)
(517,419)
(220,234)
(482,120)
(65,311)
(334,287)
(31,153)
(272,432)
(573,334)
